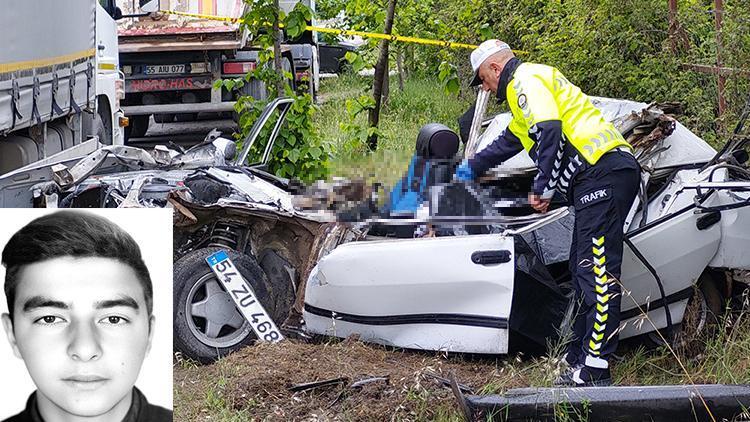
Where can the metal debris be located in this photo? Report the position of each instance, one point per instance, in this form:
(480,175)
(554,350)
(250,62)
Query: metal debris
(460,397)
(318,384)
(636,403)
(361,383)
(446,382)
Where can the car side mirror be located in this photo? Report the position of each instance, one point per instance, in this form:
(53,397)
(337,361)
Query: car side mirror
(117,14)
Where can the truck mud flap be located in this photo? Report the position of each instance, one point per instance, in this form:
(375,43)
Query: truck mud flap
(636,403)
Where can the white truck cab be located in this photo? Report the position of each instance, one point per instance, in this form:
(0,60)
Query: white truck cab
(110,81)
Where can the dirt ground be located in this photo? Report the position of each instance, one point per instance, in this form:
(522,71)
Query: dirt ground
(253,384)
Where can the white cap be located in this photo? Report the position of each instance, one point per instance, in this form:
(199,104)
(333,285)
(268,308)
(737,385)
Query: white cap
(482,53)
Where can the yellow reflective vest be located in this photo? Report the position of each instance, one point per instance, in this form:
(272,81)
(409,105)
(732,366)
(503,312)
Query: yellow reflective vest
(538,93)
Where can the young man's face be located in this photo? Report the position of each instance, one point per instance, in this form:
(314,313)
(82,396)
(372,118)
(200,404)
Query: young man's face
(82,328)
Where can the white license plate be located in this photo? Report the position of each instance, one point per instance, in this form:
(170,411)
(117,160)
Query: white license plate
(244,297)
(165,69)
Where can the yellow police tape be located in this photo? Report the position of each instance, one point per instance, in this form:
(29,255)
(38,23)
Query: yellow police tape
(400,38)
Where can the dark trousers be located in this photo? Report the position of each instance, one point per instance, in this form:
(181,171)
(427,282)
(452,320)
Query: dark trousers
(602,196)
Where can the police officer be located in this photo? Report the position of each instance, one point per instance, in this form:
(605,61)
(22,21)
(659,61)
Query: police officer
(582,156)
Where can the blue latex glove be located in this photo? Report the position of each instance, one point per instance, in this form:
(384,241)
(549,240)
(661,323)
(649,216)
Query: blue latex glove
(464,173)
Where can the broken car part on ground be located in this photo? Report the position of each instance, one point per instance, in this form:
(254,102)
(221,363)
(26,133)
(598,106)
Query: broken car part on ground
(622,404)
(488,275)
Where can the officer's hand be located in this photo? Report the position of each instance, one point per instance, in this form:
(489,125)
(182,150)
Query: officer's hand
(538,203)
(464,173)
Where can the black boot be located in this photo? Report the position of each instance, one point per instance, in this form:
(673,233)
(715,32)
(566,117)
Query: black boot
(566,376)
(585,376)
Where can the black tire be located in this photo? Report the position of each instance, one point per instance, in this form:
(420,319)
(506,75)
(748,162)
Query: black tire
(105,138)
(103,122)
(195,283)
(186,117)
(137,128)
(255,88)
(699,321)
(164,117)
(307,86)
(286,65)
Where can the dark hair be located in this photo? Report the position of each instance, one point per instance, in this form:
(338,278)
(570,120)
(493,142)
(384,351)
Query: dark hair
(76,234)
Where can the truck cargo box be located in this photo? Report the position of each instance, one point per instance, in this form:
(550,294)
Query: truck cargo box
(165,32)
(47,66)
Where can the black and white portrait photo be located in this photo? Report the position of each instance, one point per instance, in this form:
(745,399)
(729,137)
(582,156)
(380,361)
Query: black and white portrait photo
(86,309)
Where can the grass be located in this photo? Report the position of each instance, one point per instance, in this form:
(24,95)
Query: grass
(422,101)
(251,384)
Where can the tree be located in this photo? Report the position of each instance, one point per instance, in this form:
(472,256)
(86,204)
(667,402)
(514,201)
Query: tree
(381,70)
(277,49)
(299,152)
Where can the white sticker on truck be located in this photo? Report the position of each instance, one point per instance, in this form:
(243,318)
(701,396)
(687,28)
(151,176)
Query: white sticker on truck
(244,297)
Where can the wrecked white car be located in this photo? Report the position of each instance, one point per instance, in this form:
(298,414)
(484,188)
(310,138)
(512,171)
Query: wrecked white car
(509,288)
(493,279)
(220,201)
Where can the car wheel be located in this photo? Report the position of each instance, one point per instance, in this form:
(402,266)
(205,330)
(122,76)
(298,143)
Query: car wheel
(207,325)
(699,321)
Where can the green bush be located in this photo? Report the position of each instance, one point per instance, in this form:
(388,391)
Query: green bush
(622,49)
(298,152)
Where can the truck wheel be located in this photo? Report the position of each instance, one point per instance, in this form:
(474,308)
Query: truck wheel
(286,65)
(207,325)
(164,117)
(256,89)
(104,135)
(103,122)
(137,127)
(186,117)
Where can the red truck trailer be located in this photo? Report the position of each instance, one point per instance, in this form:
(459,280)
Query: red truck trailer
(171,61)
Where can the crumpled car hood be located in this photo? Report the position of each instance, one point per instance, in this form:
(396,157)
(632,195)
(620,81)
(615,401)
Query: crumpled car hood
(682,146)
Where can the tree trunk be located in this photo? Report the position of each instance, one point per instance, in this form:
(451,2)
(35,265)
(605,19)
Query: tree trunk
(400,68)
(277,50)
(718,13)
(409,60)
(386,86)
(673,25)
(381,68)
(678,37)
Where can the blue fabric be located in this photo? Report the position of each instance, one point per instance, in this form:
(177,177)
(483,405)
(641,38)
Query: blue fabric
(408,194)
(464,173)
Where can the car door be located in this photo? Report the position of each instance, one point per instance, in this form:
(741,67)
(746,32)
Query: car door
(677,248)
(442,293)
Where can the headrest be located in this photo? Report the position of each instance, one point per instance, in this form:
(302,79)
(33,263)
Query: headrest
(437,141)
